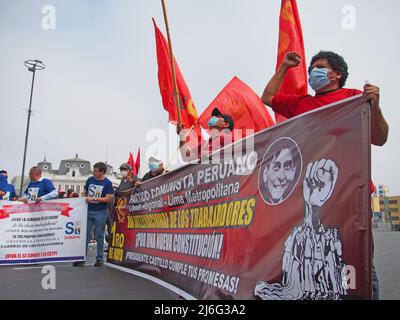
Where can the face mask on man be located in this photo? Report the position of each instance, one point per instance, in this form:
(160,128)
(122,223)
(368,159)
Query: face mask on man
(213,121)
(124,173)
(154,166)
(319,78)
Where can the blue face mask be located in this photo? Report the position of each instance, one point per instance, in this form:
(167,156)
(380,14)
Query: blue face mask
(154,166)
(319,78)
(213,122)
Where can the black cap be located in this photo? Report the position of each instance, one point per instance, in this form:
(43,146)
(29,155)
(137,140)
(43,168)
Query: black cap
(125,166)
(227,118)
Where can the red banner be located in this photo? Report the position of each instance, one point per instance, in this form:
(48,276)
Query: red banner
(291,39)
(188,110)
(132,163)
(288,218)
(239,101)
(35,207)
(137,162)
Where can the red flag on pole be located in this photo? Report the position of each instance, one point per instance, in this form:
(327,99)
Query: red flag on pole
(131,162)
(188,110)
(291,39)
(137,162)
(240,102)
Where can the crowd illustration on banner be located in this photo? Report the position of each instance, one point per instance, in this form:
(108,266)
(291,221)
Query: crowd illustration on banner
(312,265)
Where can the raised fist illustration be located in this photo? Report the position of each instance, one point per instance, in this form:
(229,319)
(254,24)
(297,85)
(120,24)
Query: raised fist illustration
(319,181)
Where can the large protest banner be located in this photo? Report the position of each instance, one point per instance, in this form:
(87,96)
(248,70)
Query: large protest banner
(286,219)
(50,231)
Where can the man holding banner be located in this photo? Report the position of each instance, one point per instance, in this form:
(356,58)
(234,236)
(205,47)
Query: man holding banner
(7,190)
(39,189)
(99,191)
(328,73)
(221,128)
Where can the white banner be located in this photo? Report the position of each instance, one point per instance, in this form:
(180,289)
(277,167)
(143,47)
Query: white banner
(50,231)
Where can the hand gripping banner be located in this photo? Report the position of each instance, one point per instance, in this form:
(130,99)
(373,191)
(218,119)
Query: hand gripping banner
(283,214)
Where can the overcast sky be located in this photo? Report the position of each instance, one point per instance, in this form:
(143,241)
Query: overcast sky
(99,95)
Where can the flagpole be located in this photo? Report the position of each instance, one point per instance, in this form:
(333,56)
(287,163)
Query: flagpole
(171,59)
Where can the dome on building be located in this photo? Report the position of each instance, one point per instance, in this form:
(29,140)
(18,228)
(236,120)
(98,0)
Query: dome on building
(45,166)
(75,165)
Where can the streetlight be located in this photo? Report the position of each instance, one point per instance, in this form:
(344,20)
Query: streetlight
(32,66)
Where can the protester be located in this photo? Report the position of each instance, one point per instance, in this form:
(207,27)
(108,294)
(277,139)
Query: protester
(3,185)
(39,188)
(7,190)
(72,194)
(126,185)
(156,169)
(99,192)
(328,73)
(221,127)
(61,193)
(128,178)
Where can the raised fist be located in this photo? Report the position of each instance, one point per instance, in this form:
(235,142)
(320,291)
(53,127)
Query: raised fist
(319,181)
(292,59)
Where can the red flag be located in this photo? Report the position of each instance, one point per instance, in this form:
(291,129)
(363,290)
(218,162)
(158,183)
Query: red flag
(188,110)
(240,102)
(137,163)
(131,162)
(291,39)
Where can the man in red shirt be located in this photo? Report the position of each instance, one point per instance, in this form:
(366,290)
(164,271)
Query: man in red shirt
(221,127)
(328,73)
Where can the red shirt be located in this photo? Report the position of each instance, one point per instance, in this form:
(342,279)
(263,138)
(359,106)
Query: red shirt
(218,142)
(207,147)
(291,105)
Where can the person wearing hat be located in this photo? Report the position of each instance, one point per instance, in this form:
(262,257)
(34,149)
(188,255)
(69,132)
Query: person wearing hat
(156,169)
(128,178)
(221,127)
(61,193)
(72,194)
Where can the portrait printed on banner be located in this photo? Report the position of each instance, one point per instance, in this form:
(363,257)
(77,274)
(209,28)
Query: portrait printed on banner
(280,171)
